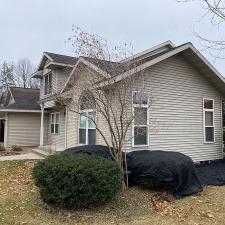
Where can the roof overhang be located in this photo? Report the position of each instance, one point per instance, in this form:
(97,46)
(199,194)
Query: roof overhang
(167,44)
(20,110)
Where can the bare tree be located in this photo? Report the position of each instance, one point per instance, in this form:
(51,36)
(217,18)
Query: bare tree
(23,72)
(215,11)
(7,78)
(102,94)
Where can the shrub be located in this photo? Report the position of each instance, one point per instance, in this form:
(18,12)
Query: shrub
(77,180)
(2,148)
(16,148)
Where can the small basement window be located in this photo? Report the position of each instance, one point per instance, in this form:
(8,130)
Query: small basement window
(208,120)
(55,118)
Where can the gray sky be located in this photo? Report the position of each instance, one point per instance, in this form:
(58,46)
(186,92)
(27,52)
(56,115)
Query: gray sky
(30,27)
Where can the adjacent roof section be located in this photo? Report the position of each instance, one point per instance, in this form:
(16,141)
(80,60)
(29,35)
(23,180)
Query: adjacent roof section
(22,99)
(62,58)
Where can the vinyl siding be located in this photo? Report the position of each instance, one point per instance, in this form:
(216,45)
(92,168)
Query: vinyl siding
(176,112)
(23,129)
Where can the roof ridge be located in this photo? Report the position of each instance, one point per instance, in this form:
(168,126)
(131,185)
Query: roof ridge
(61,55)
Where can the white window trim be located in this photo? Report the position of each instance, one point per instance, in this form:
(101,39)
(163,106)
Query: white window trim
(132,132)
(86,127)
(47,75)
(54,123)
(204,126)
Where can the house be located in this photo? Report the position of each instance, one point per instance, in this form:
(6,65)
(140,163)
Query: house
(188,93)
(20,117)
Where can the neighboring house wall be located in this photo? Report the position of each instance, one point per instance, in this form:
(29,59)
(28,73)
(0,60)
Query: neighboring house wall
(23,129)
(176,113)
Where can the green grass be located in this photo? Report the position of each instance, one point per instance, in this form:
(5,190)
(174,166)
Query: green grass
(20,204)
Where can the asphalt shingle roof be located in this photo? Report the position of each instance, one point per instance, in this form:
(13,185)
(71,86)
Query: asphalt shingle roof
(25,98)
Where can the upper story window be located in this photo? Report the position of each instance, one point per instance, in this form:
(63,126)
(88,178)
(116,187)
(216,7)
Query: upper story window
(140,123)
(208,120)
(55,122)
(87,128)
(48,84)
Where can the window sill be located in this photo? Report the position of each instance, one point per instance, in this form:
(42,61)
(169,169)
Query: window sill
(137,146)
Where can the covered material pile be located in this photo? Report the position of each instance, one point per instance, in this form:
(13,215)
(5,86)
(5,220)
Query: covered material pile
(171,167)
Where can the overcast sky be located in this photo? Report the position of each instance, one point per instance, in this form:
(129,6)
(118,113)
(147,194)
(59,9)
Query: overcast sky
(30,27)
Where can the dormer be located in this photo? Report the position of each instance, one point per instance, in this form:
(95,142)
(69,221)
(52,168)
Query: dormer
(53,72)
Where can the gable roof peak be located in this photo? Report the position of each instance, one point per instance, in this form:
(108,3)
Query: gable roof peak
(165,46)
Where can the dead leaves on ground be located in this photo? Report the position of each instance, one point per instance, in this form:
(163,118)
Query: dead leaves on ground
(162,203)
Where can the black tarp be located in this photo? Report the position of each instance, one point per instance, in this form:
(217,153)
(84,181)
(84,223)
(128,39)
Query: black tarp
(165,166)
(212,173)
(99,150)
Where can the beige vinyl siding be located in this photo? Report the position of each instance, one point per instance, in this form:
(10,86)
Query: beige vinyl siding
(23,129)
(57,141)
(176,113)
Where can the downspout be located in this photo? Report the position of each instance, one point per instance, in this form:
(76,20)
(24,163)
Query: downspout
(66,120)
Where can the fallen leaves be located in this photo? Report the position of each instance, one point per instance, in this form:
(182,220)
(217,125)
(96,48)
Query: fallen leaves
(162,204)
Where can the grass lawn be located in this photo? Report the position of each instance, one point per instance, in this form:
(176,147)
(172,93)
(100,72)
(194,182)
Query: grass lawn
(20,204)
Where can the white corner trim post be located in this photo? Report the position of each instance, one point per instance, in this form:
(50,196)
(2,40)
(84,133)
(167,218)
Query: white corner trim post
(42,125)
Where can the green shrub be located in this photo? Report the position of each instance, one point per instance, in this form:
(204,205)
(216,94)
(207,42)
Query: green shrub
(77,180)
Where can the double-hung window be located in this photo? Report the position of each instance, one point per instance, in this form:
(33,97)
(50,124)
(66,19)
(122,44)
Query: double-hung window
(87,128)
(48,84)
(140,121)
(55,121)
(208,120)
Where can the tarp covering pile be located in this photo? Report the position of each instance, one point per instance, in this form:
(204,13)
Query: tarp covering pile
(167,167)
(99,150)
(172,167)
(212,173)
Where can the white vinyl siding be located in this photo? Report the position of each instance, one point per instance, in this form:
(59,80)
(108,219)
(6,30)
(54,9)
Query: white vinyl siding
(23,129)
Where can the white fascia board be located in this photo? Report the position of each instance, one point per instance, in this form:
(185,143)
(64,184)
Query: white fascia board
(149,50)
(20,110)
(58,64)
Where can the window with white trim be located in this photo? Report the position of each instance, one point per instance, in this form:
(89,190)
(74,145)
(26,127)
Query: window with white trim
(87,128)
(55,122)
(208,117)
(140,123)
(48,84)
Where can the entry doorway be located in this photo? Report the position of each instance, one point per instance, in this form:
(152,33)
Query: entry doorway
(2,130)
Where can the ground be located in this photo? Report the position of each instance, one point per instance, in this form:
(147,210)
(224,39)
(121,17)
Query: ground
(20,204)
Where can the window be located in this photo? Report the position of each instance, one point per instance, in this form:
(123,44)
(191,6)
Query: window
(140,123)
(48,84)
(208,117)
(55,118)
(87,129)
